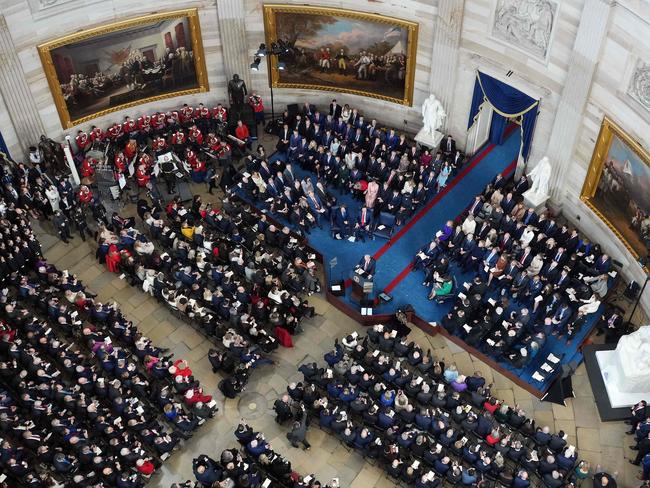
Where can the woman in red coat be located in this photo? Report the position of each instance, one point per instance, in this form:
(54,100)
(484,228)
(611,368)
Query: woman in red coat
(113,259)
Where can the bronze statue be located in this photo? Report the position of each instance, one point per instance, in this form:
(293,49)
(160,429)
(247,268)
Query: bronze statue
(237,90)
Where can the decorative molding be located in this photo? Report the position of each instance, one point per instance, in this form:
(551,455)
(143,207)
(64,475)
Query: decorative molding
(526,25)
(46,8)
(639,85)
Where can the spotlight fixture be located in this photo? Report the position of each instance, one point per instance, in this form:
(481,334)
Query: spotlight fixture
(282,66)
(261,51)
(255,65)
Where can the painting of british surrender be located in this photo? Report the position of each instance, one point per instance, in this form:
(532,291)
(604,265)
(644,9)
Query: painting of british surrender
(343,51)
(617,187)
(126,63)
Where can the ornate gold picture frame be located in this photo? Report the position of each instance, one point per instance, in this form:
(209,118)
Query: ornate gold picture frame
(617,187)
(343,51)
(123,64)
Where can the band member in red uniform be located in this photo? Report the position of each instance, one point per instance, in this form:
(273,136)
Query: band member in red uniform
(96,134)
(213,142)
(145,160)
(198,166)
(202,117)
(187,114)
(120,162)
(82,141)
(178,142)
(224,153)
(195,136)
(242,132)
(85,195)
(114,131)
(144,124)
(141,176)
(87,170)
(173,118)
(129,125)
(256,102)
(158,122)
(130,149)
(220,114)
(159,144)
(190,157)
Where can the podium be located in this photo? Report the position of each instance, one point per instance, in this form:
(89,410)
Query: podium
(362,285)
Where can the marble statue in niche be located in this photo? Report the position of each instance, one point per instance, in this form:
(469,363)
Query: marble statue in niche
(525,24)
(639,88)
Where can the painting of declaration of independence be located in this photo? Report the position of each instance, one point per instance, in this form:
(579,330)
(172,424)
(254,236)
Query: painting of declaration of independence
(123,64)
(618,187)
(343,51)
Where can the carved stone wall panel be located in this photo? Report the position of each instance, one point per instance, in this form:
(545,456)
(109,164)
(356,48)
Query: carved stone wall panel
(526,25)
(639,87)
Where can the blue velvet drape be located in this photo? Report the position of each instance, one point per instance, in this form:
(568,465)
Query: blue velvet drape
(3,146)
(510,102)
(497,128)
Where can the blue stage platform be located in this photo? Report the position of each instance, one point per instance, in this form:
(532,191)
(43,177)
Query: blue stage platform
(393,271)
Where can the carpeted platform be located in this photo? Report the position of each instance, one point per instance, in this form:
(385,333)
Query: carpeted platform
(394,275)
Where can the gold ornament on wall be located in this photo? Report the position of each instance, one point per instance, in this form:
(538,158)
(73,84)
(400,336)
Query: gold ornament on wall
(617,187)
(119,65)
(342,51)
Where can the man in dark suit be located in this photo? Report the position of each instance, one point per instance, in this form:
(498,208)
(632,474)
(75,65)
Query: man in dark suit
(448,145)
(508,203)
(283,141)
(524,257)
(364,223)
(288,175)
(530,217)
(476,206)
(367,264)
(343,220)
(335,109)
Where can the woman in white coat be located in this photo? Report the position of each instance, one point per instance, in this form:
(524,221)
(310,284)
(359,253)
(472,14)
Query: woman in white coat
(54,198)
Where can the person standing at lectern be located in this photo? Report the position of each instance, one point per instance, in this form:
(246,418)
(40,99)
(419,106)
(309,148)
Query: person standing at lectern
(367,264)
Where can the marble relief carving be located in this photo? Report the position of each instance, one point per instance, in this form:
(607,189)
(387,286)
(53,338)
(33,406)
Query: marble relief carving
(525,24)
(639,88)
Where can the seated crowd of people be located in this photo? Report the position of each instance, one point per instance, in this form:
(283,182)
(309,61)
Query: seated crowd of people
(85,398)
(425,422)
(378,167)
(256,464)
(532,277)
(233,274)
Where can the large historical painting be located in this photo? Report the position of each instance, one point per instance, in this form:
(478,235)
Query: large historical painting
(617,187)
(112,67)
(526,25)
(343,51)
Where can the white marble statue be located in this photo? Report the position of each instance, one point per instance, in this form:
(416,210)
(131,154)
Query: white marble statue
(433,115)
(541,175)
(629,367)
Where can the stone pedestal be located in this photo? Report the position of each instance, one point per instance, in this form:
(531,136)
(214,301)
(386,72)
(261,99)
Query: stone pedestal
(534,200)
(624,370)
(428,139)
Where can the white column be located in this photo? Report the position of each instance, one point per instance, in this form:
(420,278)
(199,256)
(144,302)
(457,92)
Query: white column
(232,30)
(584,58)
(444,60)
(18,98)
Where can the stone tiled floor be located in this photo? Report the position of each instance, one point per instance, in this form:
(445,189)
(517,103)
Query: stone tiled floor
(597,442)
